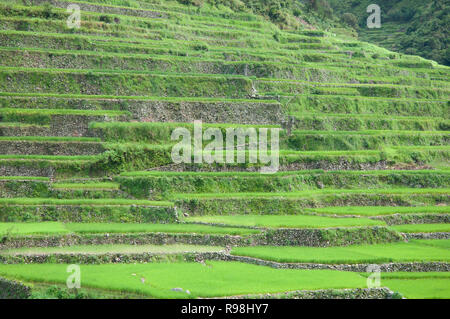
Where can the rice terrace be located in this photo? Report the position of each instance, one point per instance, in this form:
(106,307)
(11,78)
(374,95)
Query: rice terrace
(230,149)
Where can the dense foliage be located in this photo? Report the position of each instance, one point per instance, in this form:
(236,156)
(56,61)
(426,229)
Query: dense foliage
(408,26)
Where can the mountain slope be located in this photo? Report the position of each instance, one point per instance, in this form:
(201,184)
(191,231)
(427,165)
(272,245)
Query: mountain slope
(412,27)
(88,123)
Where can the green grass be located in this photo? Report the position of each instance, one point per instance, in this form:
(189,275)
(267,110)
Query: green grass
(19,229)
(82,228)
(413,251)
(24,178)
(312,193)
(87,186)
(53,201)
(423,228)
(56,228)
(111,249)
(379,210)
(412,275)
(215,279)
(295,221)
(420,288)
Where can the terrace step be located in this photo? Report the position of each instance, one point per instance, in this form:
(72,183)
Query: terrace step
(283,87)
(85,210)
(61,122)
(381,106)
(123,83)
(109,253)
(155,109)
(100,7)
(294,202)
(32,58)
(40,187)
(95,190)
(361,122)
(416,157)
(414,251)
(155,184)
(147,47)
(363,140)
(378,211)
(47,165)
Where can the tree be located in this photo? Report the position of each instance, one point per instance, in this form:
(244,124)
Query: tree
(350,19)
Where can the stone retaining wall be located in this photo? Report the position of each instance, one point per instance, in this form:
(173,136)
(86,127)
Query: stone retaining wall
(129,239)
(77,125)
(63,148)
(401,219)
(26,170)
(282,237)
(389,267)
(106,258)
(440,235)
(25,130)
(358,293)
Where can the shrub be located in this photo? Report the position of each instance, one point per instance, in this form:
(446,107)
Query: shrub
(350,19)
(106,19)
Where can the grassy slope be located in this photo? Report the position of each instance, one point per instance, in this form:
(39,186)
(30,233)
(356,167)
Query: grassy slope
(408,26)
(211,38)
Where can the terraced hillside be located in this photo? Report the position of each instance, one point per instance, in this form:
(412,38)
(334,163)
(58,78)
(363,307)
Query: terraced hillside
(87,176)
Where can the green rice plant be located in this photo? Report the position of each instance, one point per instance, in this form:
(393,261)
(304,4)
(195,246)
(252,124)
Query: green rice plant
(378,210)
(20,229)
(423,228)
(26,178)
(90,228)
(413,251)
(297,221)
(77,202)
(86,186)
(420,288)
(219,279)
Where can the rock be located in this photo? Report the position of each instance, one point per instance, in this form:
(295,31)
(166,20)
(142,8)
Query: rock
(177,289)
